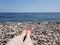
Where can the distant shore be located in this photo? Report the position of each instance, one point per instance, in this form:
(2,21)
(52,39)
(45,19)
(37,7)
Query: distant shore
(46,33)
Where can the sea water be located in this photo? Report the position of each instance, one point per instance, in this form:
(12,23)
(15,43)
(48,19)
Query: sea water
(25,17)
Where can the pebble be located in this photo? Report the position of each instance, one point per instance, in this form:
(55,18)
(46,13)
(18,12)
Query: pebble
(43,33)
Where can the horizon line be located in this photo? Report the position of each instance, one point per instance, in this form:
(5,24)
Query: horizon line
(29,12)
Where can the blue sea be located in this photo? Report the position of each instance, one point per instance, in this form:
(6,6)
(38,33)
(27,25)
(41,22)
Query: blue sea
(29,17)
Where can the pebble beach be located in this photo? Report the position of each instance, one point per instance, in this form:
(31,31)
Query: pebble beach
(43,33)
